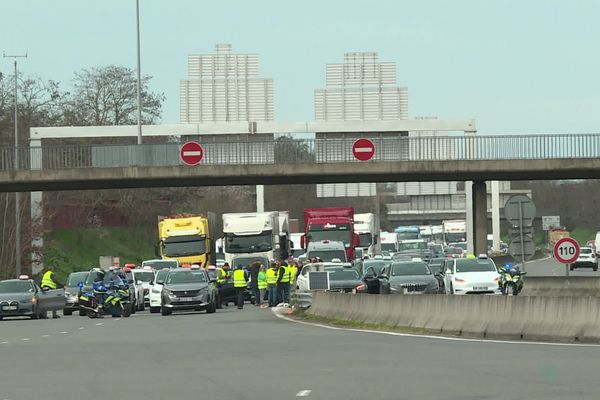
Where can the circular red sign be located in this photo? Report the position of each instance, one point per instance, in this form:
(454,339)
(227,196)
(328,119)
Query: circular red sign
(363,149)
(566,250)
(191,153)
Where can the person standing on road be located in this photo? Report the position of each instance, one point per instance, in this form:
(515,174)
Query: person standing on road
(253,285)
(49,282)
(272,284)
(240,282)
(262,283)
(283,282)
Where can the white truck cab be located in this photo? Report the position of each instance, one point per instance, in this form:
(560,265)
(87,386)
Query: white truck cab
(327,251)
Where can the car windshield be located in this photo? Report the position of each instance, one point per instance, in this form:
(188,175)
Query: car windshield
(388,246)
(188,276)
(460,245)
(338,233)
(248,243)
(16,287)
(159,264)
(436,262)
(328,255)
(76,277)
(161,275)
(475,265)
(376,264)
(345,274)
(410,268)
(178,246)
(585,250)
(145,276)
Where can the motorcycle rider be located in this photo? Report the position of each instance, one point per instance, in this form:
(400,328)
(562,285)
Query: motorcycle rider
(99,288)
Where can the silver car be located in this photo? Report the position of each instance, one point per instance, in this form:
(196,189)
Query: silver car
(22,297)
(412,277)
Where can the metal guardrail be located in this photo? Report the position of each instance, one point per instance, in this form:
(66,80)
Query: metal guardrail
(286,150)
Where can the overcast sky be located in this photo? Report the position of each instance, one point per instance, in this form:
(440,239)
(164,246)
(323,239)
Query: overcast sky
(519,66)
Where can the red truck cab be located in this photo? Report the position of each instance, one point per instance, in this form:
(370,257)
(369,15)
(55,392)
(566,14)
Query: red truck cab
(334,223)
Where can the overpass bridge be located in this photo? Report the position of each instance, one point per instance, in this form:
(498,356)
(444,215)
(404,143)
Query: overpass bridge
(289,160)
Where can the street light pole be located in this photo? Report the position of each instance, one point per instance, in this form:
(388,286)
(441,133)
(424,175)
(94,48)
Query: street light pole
(17,194)
(139,75)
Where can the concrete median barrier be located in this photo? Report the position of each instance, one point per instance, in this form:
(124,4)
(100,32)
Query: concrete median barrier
(572,319)
(575,286)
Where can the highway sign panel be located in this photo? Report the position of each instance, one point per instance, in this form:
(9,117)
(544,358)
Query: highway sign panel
(566,250)
(519,209)
(191,153)
(550,221)
(526,251)
(363,149)
(516,232)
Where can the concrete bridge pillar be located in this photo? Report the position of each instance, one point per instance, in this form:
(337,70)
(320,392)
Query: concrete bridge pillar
(479,204)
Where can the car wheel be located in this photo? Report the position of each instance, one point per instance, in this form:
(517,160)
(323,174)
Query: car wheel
(165,311)
(143,306)
(154,310)
(67,311)
(81,312)
(451,289)
(211,308)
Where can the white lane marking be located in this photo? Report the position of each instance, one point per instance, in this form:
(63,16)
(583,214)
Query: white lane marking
(25,339)
(81,328)
(3,342)
(449,338)
(45,335)
(192,153)
(363,150)
(63,332)
(99,324)
(303,393)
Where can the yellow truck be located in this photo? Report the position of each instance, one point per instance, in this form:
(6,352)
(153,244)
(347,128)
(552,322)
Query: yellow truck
(187,238)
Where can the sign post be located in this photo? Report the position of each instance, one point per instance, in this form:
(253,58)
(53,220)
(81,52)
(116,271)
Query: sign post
(520,211)
(363,149)
(566,251)
(191,153)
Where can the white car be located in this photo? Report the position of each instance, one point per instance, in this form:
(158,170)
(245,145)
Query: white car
(144,278)
(587,259)
(156,291)
(137,289)
(302,279)
(471,276)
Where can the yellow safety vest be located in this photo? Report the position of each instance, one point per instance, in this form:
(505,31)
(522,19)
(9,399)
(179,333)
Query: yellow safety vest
(239,278)
(221,276)
(262,280)
(286,274)
(271,276)
(47,281)
(293,271)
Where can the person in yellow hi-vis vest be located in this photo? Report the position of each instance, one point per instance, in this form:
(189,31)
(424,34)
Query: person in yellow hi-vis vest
(240,282)
(272,284)
(283,282)
(49,282)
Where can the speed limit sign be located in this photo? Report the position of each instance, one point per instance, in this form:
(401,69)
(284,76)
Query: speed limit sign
(566,250)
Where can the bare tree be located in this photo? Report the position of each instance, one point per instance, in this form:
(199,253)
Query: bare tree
(107,96)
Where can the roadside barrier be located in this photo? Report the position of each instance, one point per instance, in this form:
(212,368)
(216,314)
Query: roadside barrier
(572,319)
(573,286)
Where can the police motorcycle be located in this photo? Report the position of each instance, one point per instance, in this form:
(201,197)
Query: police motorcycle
(101,301)
(511,280)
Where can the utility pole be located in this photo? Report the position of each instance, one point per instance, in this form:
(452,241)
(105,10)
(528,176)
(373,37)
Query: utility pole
(17,194)
(139,74)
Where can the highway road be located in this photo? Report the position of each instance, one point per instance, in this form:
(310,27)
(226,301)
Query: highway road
(551,267)
(252,354)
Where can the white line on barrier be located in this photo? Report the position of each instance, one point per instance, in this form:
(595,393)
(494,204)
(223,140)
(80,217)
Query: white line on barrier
(303,393)
(449,338)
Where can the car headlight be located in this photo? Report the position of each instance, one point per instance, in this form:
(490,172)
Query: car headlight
(169,293)
(27,301)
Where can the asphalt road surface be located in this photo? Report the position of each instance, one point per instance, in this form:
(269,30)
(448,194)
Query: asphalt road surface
(251,354)
(551,267)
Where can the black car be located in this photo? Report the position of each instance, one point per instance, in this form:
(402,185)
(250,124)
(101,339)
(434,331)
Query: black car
(345,280)
(412,277)
(225,291)
(72,291)
(188,289)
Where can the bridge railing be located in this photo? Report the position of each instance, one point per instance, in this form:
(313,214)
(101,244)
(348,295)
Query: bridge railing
(288,150)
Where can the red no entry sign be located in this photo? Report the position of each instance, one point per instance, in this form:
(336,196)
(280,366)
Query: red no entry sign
(566,250)
(363,149)
(191,153)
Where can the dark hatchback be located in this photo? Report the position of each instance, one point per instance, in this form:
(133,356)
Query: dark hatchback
(345,280)
(188,289)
